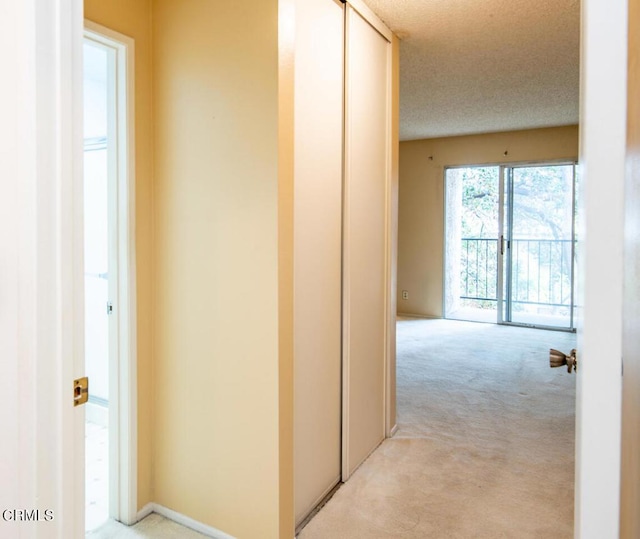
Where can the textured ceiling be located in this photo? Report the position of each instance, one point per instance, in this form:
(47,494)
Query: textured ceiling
(479,66)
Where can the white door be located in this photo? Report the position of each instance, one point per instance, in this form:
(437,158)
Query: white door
(317,251)
(40,270)
(366,237)
(600,210)
(342,162)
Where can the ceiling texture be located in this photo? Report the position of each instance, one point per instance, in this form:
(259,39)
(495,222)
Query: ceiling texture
(481,66)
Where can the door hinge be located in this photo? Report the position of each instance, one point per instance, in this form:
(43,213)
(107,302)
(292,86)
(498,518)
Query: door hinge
(109,307)
(80,391)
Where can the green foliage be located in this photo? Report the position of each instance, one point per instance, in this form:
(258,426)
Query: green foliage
(480,198)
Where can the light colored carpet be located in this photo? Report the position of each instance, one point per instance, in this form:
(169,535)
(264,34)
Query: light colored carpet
(485,446)
(152,527)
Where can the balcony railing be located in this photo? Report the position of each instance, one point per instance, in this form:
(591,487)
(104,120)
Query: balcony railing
(540,270)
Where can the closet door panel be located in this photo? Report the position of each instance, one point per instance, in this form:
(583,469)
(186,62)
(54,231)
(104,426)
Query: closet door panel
(365,238)
(319,66)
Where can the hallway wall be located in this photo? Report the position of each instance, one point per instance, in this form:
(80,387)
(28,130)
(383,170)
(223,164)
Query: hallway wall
(223,326)
(214,169)
(421,199)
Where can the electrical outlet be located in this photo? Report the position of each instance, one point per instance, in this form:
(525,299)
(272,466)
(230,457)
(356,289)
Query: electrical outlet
(405,294)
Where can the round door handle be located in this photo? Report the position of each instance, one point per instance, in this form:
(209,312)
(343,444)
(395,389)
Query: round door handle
(559,359)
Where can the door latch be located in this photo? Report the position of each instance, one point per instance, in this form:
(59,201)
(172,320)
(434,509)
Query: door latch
(80,391)
(559,359)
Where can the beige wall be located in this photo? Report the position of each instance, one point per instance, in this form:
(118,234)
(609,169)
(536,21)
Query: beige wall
(286,40)
(133,18)
(421,206)
(220,382)
(214,245)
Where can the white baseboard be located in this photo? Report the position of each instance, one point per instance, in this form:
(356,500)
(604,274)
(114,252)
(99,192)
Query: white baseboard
(184,520)
(419,316)
(144,512)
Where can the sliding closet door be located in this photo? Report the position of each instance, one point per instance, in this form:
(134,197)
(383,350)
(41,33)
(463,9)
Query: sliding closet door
(367,156)
(317,250)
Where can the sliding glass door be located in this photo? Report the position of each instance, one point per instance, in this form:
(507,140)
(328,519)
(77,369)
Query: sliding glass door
(510,244)
(539,241)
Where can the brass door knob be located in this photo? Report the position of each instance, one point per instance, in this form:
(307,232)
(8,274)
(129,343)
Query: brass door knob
(559,359)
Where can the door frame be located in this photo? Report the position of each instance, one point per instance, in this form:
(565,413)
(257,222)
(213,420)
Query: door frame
(122,362)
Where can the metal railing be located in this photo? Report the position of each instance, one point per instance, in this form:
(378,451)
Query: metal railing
(540,271)
(479,269)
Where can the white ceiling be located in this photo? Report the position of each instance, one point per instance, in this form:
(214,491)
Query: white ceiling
(480,66)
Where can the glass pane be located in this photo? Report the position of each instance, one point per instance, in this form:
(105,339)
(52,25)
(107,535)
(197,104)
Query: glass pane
(541,245)
(471,276)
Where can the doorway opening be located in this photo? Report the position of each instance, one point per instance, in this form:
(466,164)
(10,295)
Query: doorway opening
(109,278)
(510,244)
